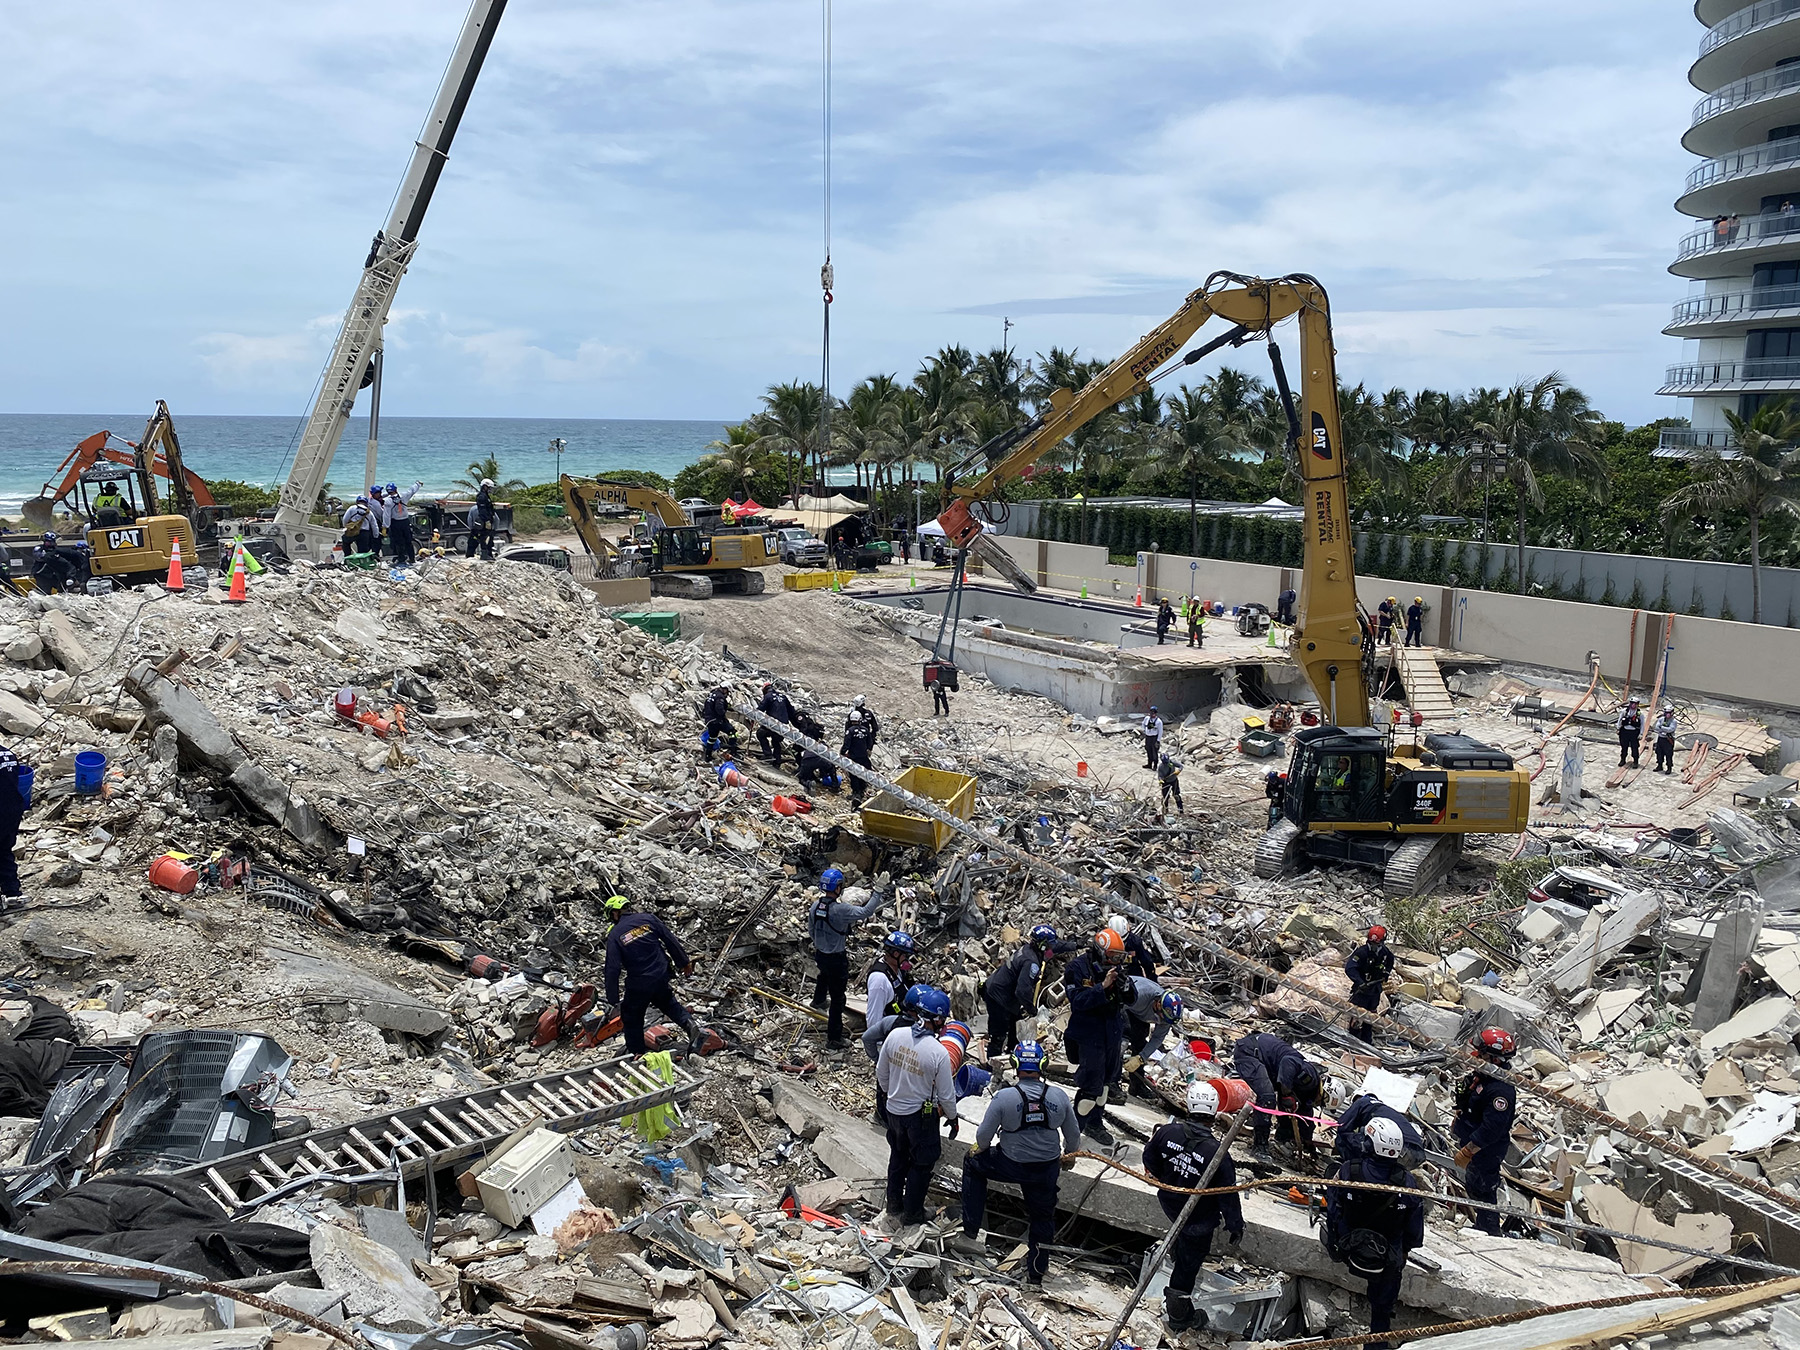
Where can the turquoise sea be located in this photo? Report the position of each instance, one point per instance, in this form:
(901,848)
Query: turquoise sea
(435,449)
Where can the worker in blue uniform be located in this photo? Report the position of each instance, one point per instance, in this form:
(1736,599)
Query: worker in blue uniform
(1483,1124)
(642,948)
(1098,990)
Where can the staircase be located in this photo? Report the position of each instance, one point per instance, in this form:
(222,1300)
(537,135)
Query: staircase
(1424,683)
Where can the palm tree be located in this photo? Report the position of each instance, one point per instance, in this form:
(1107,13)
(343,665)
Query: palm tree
(789,425)
(488,467)
(1759,479)
(1197,441)
(999,379)
(736,456)
(947,403)
(865,431)
(1543,427)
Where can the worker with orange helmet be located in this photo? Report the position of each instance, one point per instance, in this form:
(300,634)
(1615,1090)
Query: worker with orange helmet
(1369,967)
(1483,1124)
(1098,989)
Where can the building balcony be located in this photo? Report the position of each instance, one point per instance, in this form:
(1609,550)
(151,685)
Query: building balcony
(1732,377)
(1725,312)
(1722,185)
(1734,249)
(1680,443)
(1743,42)
(1743,113)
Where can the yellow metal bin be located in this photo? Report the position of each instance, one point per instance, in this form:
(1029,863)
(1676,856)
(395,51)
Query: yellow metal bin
(887,817)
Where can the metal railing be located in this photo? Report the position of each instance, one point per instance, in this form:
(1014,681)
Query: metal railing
(1768,155)
(1730,232)
(1682,440)
(1751,17)
(1747,90)
(1732,372)
(1733,304)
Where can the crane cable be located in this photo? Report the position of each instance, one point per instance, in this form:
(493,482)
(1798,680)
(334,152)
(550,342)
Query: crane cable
(826,276)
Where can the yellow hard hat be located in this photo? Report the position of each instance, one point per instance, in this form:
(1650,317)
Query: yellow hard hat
(1418,599)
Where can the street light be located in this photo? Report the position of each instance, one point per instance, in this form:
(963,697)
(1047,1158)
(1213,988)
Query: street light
(556,448)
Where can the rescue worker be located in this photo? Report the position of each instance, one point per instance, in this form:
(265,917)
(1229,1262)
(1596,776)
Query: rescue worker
(1384,619)
(1152,1011)
(1178,1154)
(482,518)
(876,1036)
(1372,1231)
(1168,777)
(776,705)
(1369,968)
(110,506)
(375,523)
(1165,620)
(861,705)
(1274,788)
(889,975)
(716,723)
(1353,1140)
(859,744)
(401,544)
(1284,606)
(356,524)
(1196,623)
(1098,990)
(1153,730)
(940,693)
(1662,732)
(12,812)
(1283,1081)
(914,1071)
(1483,1124)
(1631,731)
(830,925)
(1012,990)
(816,769)
(1022,1137)
(1415,622)
(1139,958)
(642,946)
(50,569)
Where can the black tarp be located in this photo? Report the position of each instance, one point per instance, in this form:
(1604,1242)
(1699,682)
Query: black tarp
(31,1059)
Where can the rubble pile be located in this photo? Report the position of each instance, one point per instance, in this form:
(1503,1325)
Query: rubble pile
(361,833)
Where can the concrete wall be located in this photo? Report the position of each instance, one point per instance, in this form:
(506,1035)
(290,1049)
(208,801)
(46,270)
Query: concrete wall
(1712,658)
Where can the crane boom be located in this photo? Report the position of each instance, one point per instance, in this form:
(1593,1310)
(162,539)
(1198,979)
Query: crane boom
(1327,641)
(360,334)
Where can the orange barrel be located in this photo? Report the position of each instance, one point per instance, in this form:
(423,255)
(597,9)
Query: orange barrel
(783,806)
(174,875)
(955,1038)
(345,702)
(1234,1094)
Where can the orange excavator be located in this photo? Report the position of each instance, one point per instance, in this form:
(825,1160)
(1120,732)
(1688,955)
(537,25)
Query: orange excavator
(129,533)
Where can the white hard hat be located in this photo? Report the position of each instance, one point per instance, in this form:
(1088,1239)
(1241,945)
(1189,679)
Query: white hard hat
(1119,924)
(854,717)
(1202,1099)
(487,482)
(858,701)
(1385,1138)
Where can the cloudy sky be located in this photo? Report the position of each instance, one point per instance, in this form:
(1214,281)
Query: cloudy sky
(630,223)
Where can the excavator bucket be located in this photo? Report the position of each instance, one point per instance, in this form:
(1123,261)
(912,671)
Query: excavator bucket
(38,512)
(988,549)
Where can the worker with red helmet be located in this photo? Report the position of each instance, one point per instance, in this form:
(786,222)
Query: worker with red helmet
(1099,990)
(1483,1124)
(1369,968)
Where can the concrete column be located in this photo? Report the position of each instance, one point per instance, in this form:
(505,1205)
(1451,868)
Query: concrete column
(1446,610)
(1043,562)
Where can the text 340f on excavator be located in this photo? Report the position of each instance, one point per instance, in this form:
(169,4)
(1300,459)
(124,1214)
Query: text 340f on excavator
(1355,793)
(679,557)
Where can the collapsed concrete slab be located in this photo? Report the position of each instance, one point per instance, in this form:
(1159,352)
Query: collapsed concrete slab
(374,1001)
(60,640)
(205,740)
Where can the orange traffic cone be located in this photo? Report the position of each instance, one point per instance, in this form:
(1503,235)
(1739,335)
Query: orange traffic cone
(1139,600)
(174,581)
(239,586)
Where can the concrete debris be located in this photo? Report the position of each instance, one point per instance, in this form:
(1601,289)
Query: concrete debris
(407,797)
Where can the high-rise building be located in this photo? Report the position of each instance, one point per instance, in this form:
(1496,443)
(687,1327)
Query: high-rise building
(1740,323)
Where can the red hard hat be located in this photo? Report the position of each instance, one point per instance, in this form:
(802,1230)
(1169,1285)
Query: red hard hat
(1378,934)
(1496,1042)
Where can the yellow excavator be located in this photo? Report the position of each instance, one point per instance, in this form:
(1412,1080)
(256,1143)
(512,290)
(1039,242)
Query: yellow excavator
(680,557)
(1356,793)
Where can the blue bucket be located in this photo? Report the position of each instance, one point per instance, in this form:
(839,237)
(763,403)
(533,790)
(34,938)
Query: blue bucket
(27,776)
(90,772)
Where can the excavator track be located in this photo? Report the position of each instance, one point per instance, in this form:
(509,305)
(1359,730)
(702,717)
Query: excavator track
(1419,864)
(683,585)
(1275,851)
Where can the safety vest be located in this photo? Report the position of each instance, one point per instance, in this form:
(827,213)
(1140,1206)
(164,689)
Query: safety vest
(1037,1114)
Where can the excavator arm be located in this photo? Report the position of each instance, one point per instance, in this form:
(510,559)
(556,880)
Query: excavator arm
(159,454)
(581,497)
(1327,641)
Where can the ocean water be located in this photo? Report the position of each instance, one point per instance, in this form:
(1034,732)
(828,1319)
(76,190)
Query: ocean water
(435,449)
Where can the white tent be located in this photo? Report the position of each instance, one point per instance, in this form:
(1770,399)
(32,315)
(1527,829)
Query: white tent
(931,529)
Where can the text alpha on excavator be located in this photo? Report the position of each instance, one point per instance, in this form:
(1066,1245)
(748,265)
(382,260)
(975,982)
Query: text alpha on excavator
(679,557)
(1355,793)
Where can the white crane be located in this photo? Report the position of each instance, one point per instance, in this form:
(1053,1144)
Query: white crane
(359,339)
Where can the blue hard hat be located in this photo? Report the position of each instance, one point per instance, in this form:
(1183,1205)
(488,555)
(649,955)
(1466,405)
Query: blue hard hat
(910,999)
(900,942)
(1043,936)
(391,487)
(830,879)
(1029,1057)
(1169,1008)
(934,1003)
(49,536)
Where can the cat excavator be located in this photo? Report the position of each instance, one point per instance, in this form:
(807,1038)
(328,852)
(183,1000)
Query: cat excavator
(678,556)
(1356,793)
